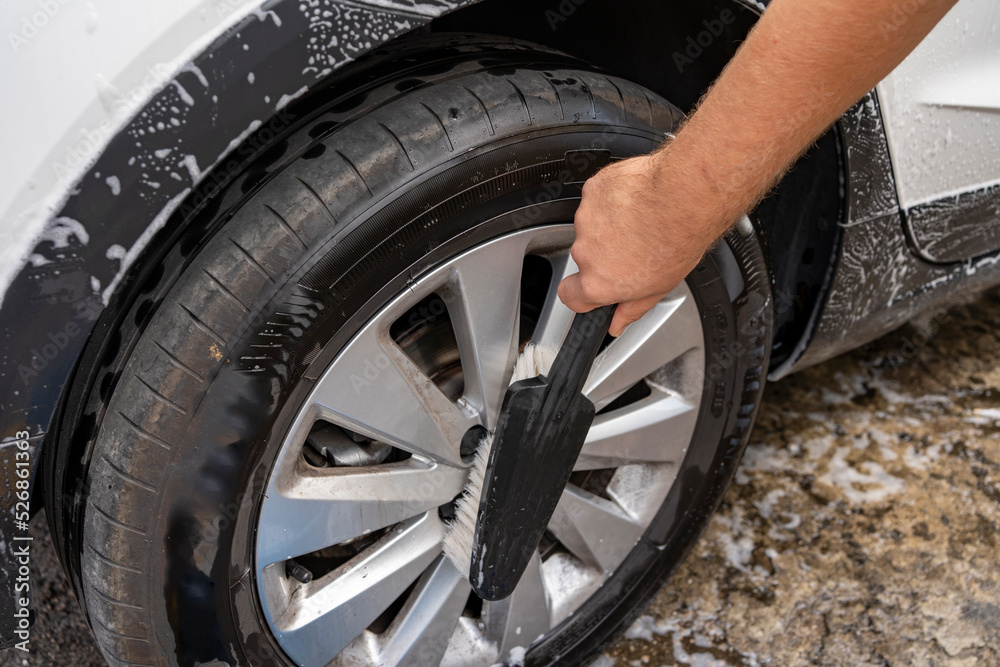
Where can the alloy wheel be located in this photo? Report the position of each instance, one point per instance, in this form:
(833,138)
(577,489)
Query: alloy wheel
(349,566)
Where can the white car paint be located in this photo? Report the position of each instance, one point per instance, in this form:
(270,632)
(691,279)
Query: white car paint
(72,74)
(941,106)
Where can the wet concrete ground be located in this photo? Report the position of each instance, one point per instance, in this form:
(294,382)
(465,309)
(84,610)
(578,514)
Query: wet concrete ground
(863,528)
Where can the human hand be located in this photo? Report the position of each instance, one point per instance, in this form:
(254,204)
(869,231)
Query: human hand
(641,227)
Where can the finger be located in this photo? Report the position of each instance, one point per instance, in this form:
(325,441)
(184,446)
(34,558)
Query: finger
(571,294)
(630,311)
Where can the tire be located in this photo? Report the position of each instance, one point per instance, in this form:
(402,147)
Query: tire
(365,206)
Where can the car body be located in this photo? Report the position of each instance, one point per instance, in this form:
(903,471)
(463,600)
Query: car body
(117,112)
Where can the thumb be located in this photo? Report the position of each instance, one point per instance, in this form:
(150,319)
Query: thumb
(630,311)
(571,294)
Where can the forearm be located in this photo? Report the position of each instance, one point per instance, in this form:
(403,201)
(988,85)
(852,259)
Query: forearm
(804,64)
(643,224)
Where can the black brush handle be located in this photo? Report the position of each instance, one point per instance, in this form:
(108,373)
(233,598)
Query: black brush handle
(571,367)
(572,364)
(542,427)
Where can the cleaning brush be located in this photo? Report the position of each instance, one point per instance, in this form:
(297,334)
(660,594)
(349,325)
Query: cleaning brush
(533,361)
(541,430)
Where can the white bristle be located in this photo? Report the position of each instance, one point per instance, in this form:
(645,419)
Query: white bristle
(534,360)
(461,533)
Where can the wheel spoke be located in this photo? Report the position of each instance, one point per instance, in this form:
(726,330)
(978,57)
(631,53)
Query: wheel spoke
(594,530)
(661,335)
(325,615)
(555,318)
(468,646)
(374,389)
(524,616)
(641,489)
(569,582)
(483,297)
(655,429)
(421,632)
(331,505)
